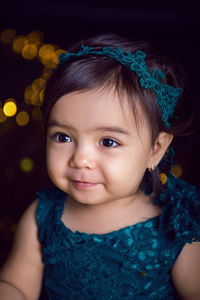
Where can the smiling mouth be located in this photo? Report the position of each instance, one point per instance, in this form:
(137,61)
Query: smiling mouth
(83,184)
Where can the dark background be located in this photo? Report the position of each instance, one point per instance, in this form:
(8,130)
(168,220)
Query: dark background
(174,27)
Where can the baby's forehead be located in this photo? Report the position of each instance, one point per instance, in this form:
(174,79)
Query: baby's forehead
(129,106)
(100,105)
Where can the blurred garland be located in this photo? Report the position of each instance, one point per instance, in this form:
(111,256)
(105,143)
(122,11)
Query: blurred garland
(30,47)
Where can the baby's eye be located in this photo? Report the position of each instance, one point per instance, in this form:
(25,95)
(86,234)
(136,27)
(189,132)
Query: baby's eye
(109,143)
(61,138)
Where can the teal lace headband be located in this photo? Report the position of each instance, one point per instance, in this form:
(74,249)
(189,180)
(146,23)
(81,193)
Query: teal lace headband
(166,95)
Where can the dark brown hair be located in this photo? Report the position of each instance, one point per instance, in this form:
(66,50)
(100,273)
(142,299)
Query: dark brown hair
(92,72)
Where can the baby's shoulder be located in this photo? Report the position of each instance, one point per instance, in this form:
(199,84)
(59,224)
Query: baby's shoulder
(28,218)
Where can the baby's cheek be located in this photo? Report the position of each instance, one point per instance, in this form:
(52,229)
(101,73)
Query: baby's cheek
(132,168)
(53,161)
(117,171)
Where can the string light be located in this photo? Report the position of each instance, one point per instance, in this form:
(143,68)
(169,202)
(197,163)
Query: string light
(7,36)
(35,35)
(35,38)
(30,47)
(10,108)
(163,178)
(45,49)
(26,164)
(22,118)
(28,93)
(177,170)
(35,99)
(38,84)
(41,95)
(48,56)
(19,43)
(29,51)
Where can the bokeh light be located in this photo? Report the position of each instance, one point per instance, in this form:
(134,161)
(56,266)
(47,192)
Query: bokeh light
(2,116)
(50,60)
(7,36)
(26,164)
(29,51)
(163,178)
(47,48)
(38,84)
(41,95)
(19,43)
(60,51)
(34,94)
(34,38)
(22,118)
(177,170)
(28,93)
(48,56)
(35,35)
(35,99)
(10,108)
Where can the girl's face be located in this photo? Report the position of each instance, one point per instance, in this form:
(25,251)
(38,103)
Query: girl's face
(94,151)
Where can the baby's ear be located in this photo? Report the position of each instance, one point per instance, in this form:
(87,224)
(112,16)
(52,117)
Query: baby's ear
(159,148)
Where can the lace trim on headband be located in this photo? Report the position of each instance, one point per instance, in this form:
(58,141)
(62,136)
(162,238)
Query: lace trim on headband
(166,95)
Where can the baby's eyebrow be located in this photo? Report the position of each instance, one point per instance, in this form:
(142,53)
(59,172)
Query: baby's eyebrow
(54,123)
(115,129)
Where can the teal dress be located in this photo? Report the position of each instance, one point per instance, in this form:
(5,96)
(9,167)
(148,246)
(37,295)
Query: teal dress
(131,263)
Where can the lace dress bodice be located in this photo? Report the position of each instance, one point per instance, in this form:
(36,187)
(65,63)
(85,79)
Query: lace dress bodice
(131,263)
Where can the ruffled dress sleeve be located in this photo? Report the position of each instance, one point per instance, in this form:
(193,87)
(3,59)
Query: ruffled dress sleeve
(180,218)
(48,203)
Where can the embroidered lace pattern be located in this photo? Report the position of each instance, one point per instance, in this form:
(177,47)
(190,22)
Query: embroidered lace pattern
(166,95)
(130,263)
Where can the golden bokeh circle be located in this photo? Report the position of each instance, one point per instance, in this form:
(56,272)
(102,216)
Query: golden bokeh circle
(19,43)
(29,51)
(22,118)
(177,170)
(10,108)
(28,93)
(35,99)
(26,164)
(38,84)
(7,36)
(47,48)
(163,178)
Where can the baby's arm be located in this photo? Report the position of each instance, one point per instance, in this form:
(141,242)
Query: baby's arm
(21,276)
(186,272)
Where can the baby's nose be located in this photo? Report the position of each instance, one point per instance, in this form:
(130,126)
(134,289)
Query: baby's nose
(82,158)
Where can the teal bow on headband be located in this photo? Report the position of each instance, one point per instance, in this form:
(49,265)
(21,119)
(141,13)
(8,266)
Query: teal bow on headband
(166,95)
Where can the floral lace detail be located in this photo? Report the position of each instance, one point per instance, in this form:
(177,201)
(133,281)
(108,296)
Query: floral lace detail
(181,210)
(166,95)
(131,263)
